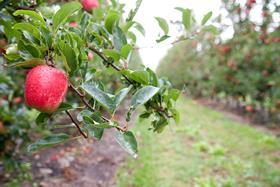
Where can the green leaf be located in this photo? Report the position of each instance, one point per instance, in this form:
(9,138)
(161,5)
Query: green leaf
(140,76)
(80,116)
(28,63)
(34,15)
(163,25)
(186,17)
(152,77)
(29,28)
(110,21)
(88,120)
(164,37)
(64,106)
(93,131)
(127,26)
(132,36)
(140,28)
(133,12)
(210,28)
(113,54)
(119,38)
(126,49)
(48,141)
(176,115)
(28,51)
(64,13)
(100,96)
(69,57)
(206,17)
(174,94)
(8,29)
(42,118)
(121,95)
(143,95)
(128,142)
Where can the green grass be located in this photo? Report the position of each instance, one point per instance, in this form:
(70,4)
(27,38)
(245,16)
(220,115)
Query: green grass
(206,149)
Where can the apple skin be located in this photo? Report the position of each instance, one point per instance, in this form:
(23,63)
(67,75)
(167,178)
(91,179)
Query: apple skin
(45,88)
(90,56)
(90,4)
(73,24)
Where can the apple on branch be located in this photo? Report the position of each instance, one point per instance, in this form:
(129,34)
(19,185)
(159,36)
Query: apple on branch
(45,88)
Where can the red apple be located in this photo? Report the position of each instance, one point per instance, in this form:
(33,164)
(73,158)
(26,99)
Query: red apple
(249,108)
(90,56)
(45,88)
(90,4)
(17,100)
(73,24)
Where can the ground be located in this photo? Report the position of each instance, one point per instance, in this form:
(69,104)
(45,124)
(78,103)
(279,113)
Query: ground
(208,148)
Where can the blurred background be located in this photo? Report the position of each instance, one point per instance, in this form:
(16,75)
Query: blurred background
(230,108)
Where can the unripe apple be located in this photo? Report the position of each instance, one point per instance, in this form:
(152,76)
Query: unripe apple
(45,88)
(90,4)
(90,56)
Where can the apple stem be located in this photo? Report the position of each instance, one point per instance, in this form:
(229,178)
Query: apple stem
(78,127)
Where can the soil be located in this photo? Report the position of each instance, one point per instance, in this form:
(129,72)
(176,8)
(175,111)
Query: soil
(237,116)
(83,163)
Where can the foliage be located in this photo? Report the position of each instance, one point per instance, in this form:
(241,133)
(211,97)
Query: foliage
(63,35)
(245,67)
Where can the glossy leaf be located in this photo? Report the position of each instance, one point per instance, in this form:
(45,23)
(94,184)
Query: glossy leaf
(119,38)
(48,141)
(113,54)
(93,131)
(64,106)
(128,142)
(34,15)
(143,95)
(64,13)
(126,49)
(121,95)
(69,57)
(29,28)
(88,120)
(99,96)
(28,63)
(42,118)
(110,21)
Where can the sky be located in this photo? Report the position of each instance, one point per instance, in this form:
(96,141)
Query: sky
(151,52)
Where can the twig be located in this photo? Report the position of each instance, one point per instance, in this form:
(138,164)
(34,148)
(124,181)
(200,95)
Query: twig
(101,55)
(78,127)
(82,97)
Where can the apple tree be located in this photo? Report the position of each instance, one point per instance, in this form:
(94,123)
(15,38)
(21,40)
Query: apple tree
(58,45)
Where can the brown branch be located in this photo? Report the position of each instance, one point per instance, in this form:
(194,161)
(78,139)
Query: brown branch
(78,127)
(104,58)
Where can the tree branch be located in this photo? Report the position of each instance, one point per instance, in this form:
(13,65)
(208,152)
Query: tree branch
(78,127)
(101,55)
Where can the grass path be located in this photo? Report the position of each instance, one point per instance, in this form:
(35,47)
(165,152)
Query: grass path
(206,149)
